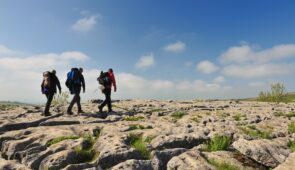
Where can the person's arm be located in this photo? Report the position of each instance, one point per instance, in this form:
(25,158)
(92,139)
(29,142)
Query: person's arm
(83,83)
(114,82)
(58,84)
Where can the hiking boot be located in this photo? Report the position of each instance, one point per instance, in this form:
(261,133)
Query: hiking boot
(104,115)
(100,109)
(46,114)
(80,111)
(70,112)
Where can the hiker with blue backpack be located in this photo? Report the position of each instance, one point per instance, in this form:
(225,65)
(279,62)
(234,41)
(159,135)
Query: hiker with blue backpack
(75,80)
(48,87)
(107,80)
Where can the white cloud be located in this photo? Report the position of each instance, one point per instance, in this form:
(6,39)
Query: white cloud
(258,70)
(246,53)
(145,61)
(176,47)
(219,79)
(42,61)
(206,67)
(86,24)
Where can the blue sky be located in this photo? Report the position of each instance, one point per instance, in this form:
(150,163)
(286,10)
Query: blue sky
(158,49)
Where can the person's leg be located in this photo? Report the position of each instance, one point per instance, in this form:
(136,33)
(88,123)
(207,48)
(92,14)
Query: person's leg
(79,103)
(104,102)
(109,100)
(48,103)
(74,100)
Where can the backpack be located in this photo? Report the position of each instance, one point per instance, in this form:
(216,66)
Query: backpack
(104,79)
(46,82)
(47,79)
(73,78)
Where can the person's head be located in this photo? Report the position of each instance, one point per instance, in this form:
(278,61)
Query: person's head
(81,70)
(110,70)
(53,71)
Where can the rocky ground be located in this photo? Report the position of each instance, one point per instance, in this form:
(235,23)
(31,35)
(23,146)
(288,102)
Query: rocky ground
(150,134)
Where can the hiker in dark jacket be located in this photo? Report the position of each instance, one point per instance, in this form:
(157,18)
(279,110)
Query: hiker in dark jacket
(75,90)
(48,87)
(107,92)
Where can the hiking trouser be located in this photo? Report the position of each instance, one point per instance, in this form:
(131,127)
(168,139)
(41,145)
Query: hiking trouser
(76,99)
(107,101)
(49,97)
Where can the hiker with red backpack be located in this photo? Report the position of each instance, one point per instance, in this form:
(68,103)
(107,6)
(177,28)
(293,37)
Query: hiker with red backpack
(75,80)
(48,87)
(107,80)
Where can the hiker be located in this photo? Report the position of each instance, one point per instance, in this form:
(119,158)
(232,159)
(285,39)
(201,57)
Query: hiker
(75,80)
(48,87)
(107,80)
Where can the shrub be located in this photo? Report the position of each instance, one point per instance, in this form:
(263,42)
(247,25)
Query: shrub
(218,142)
(61,99)
(291,127)
(178,115)
(222,165)
(137,142)
(59,139)
(277,94)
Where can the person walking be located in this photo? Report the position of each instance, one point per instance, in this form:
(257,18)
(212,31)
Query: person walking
(108,80)
(48,87)
(77,80)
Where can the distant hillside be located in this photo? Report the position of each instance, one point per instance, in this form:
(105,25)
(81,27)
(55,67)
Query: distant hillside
(290,97)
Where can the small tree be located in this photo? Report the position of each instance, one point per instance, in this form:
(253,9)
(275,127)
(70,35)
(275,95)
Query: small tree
(277,93)
(61,99)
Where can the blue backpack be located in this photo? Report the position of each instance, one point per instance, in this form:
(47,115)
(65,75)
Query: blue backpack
(73,78)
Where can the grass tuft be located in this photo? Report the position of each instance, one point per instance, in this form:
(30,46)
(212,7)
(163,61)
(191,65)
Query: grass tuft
(252,131)
(291,114)
(238,116)
(59,139)
(178,115)
(291,145)
(86,153)
(277,114)
(138,143)
(291,127)
(222,165)
(136,126)
(133,118)
(217,143)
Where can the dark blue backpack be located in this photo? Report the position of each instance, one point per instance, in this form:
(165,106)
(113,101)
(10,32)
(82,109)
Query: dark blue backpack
(73,78)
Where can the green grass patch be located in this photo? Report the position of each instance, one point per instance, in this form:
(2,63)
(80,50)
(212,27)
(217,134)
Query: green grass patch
(138,143)
(291,127)
(178,115)
(217,143)
(221,165)
(291,114)
(277,114)
(157,110)
(252,131)
(291,145)
(196,119)
(59,139)
(238,116)
(133,118)
(149,139)
(86,153)
(136,126)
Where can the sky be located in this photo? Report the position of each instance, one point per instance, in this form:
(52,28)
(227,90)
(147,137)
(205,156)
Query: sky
(193,49)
